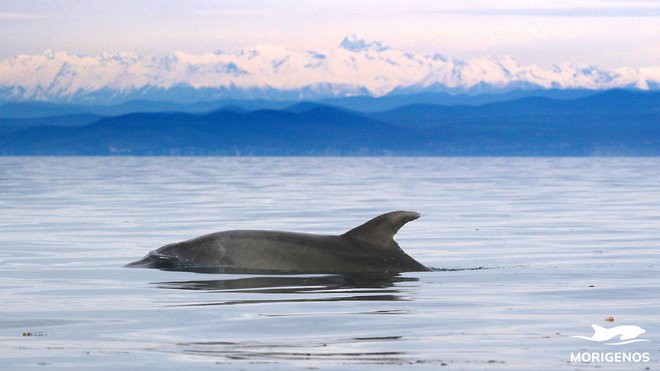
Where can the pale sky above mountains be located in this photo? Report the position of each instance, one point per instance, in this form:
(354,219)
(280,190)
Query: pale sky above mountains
(607,33)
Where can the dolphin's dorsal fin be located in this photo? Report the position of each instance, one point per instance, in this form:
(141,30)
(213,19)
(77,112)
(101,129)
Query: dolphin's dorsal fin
(380,230)
(601,333)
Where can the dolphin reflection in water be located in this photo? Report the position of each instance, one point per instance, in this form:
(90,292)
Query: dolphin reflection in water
(368,248)
(262,289)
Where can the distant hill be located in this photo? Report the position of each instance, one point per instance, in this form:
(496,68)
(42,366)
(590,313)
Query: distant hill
(319,131)
(13,124)
(22,110)
(392,101)
(612,123)
(25,110)
(613,107)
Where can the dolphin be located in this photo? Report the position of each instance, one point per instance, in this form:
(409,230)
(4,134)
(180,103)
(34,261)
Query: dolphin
(369,247)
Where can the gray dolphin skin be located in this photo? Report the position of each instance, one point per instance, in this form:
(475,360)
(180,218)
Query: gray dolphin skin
(369,247)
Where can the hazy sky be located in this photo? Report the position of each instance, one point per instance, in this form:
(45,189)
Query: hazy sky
(609,33)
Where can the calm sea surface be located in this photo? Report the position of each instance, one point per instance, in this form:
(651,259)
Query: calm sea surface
(564,243)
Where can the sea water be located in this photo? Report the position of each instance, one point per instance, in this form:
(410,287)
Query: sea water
(528,253)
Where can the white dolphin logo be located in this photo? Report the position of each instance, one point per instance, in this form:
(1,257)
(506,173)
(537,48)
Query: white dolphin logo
(627,334)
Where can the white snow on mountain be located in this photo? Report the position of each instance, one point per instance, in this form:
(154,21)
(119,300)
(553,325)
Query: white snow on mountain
(356,67)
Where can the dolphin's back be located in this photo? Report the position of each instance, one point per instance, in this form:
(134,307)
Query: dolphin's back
(363,249)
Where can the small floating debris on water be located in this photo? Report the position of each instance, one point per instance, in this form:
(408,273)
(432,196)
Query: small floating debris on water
(35,333)
(592,285)
(609,319)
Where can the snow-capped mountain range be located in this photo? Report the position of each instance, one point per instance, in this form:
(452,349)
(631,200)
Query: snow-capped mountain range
(356,67)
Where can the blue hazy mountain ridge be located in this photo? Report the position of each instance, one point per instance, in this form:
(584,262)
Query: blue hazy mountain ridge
(356,103)
(395,99)
(309,105)
(13,124)
(616,106)
(22,110)
(610,123)
(319,131)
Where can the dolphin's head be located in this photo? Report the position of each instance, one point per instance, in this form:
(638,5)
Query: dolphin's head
(631,332)
(638,330)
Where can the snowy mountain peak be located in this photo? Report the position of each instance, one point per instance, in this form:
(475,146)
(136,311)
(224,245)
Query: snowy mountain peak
(357,44)
(357,67)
